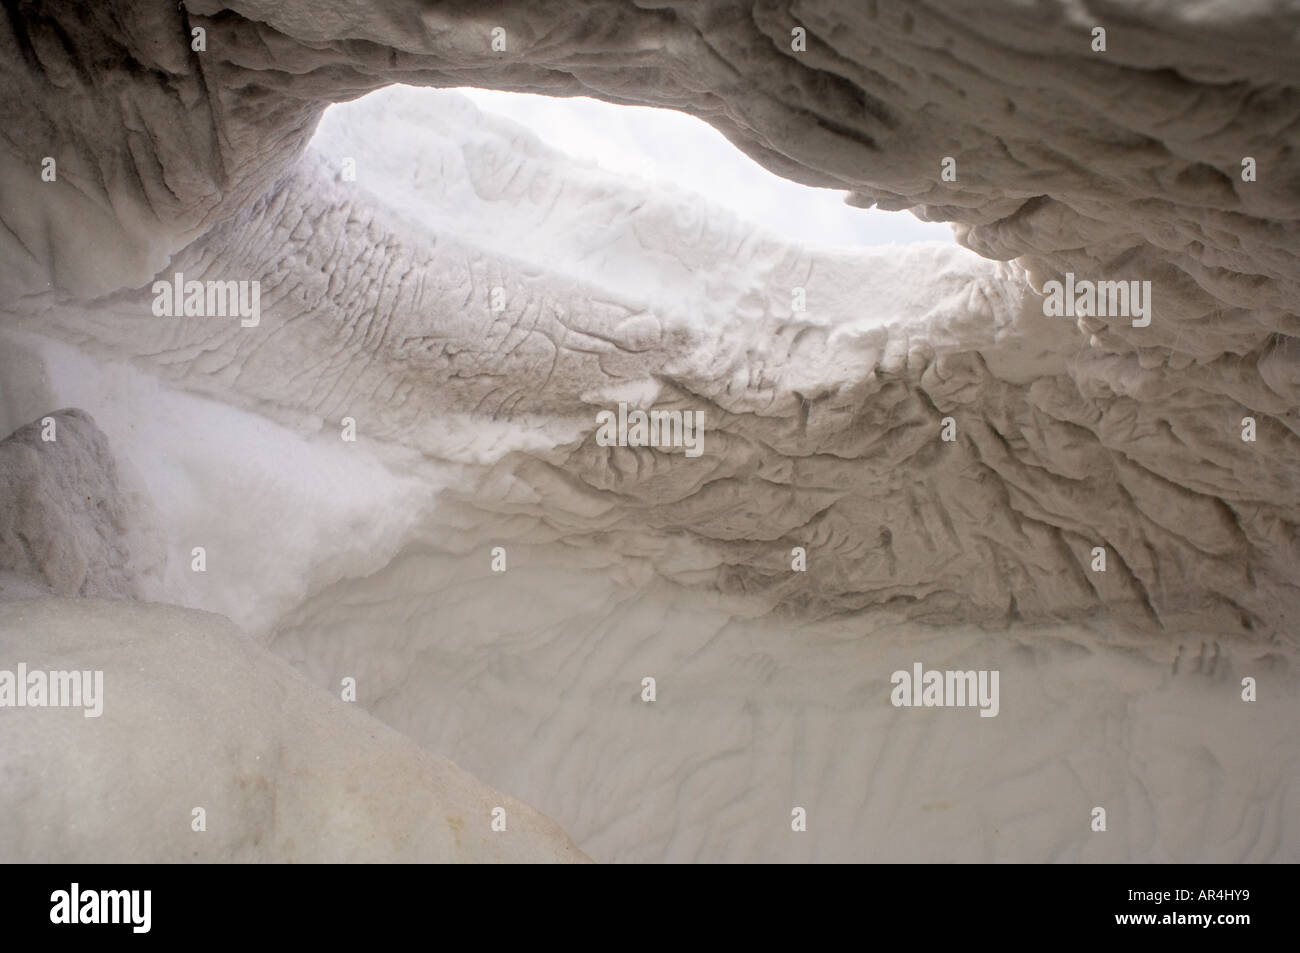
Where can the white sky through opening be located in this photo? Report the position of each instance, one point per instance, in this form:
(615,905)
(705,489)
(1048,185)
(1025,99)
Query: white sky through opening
(649,142)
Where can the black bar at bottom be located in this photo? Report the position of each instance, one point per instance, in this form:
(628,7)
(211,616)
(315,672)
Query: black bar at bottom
(334,903)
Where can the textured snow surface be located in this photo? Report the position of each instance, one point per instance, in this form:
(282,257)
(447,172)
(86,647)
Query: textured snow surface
(476,426)
(822,424)
(755,716)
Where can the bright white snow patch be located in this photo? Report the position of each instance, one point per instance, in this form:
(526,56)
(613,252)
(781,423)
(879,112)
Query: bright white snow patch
(668,146)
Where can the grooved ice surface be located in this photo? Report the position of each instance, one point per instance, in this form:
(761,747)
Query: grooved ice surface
(821,425)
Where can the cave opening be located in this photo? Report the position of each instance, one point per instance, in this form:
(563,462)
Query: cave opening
(647,146)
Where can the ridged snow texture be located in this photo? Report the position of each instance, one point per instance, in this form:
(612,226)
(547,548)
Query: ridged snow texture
(477,427)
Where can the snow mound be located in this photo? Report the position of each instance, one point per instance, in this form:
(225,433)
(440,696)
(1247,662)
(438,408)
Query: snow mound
(196,716)
(70,520)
